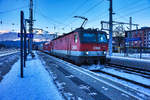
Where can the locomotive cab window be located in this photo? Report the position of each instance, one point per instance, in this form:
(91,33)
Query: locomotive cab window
(89,37)
(94,38)
(102,38)
(75,38)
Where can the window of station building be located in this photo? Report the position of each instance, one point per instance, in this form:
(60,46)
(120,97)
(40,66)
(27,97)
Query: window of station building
(129,35)
(75,38)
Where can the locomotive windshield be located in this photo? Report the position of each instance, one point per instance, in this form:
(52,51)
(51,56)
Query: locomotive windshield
(93,38)
(102,38)
(89,37)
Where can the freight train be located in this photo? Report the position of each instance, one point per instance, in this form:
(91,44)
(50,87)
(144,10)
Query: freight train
(82,46)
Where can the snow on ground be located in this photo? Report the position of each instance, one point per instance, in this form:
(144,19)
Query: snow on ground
(128,84)
(128,76)
(122,74)
(4,51)
(36,84)
(93,67)
(5,54)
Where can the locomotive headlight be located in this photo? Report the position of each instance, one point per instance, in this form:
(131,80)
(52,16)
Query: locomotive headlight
(86,52)
(105,52)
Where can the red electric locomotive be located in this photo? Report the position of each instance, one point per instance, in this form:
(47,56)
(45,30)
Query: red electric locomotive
(80,46)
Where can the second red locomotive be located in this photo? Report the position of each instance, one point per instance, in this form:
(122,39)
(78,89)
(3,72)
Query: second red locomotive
(80,46)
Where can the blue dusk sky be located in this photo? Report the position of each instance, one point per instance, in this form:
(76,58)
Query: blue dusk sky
(59,13)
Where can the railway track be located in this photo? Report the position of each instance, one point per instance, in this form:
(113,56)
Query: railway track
(122,78)
(129,89)
(132,70)
(6,62)
(136,71)
(8,53)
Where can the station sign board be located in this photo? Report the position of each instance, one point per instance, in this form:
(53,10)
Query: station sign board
(27,35)
(132,39)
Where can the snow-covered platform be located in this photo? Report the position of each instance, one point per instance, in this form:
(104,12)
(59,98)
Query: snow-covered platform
(36,84)
(130,62)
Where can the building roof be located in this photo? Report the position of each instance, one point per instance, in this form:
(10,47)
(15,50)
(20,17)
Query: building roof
(142,29)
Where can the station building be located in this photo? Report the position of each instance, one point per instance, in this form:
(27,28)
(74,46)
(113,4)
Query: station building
(118,44)
(144,34)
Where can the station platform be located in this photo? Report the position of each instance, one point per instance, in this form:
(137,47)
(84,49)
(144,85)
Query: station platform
(36,84)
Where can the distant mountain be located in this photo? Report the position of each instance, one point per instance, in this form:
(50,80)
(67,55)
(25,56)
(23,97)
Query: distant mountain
(11,39)
(8,36)
(16,43)
(13,36)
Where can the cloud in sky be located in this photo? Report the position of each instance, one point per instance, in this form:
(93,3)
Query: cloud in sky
(3,31)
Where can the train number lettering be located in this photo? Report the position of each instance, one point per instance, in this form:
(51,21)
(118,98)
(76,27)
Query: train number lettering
(96,48)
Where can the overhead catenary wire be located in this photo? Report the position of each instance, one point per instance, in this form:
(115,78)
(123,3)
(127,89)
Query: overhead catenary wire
(134,5)
(48,18)
(91,8)
(75,11)
(78,8)
(134,12)
(103,15)
(129,13)
(99,14)
(54,23)
(12,10)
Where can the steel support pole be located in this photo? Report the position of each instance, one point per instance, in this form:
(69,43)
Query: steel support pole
(140,49)
(130,21)
(25,48)
(31,25)
(110,28)
(21,43)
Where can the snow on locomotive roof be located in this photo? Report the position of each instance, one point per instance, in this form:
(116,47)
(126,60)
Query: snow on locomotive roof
(81,30)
